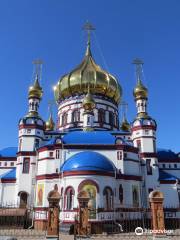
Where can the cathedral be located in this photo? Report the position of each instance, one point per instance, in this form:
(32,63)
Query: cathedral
(116,163)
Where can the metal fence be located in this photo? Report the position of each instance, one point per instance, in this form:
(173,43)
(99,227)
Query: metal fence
(125,221)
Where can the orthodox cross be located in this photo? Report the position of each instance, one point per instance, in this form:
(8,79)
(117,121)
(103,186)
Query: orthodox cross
(38,68)
(138,63)
(88,27)
(124,107)
(50,105)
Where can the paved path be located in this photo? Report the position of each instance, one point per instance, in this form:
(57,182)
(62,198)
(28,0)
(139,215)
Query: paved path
(21,234)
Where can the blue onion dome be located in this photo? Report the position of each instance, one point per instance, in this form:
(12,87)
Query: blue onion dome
(88,73)
(88,161)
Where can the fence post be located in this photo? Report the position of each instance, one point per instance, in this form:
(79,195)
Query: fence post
(53,214)
(84,227)
(156,203)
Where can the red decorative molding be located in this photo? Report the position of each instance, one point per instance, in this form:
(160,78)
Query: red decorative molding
(41,208)
(169,161)
(46,158)
(150,127)
(148,155)
(8,159)
(26,153)
(50,147)
(31,126)
(87,173)
(47,176)
(40,220)
(8,180)
(167,181)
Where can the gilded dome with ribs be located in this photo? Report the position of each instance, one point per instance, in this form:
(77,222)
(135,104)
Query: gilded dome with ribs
(88,73)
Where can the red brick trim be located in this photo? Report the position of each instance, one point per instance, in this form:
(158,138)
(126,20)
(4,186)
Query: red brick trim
(148,155)
(26,153)
(78,173)
(47,176)
(150,127)
(31,126)
(129,177)
(46,158)
(8,158)
(50,147)
(40,220)
(167,181)
(8,180)
(169,161)
(92,146)
(41,208)
(8,167)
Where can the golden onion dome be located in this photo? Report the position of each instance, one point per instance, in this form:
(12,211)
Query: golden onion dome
(35,91)
(140,91)
(50,124)
(125,126)
(88,73)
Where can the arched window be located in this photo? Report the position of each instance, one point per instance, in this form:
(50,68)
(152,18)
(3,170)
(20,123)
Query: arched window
(32,105)
(121,193)
(135,196)
(69,198)
(111,118)
(75,116)
(26,165)
(64,119)
(108,198)
(101,115)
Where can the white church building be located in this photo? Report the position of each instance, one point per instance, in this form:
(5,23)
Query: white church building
(89,149)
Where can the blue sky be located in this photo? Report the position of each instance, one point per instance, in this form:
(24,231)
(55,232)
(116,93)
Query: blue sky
(125,29)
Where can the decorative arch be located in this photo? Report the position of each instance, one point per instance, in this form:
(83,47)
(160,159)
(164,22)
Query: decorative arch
(108,198)
(23,199)
(64,119)
(75,116)
(111,118)
(91,188)
(67,189)
(86,182)
(101,115)
(69,198)
(121,193)
(135,196)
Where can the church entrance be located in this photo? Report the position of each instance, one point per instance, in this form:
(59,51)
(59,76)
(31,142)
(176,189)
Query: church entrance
(23,199)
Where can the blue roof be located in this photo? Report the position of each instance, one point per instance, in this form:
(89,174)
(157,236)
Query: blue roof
(8,152)
(9,175)
(166,176)
(88,160)
(94,137)
(164,154)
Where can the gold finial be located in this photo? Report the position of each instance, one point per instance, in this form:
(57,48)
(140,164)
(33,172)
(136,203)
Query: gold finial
(88,27)
(35,91)
(125,126)
(50,123)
